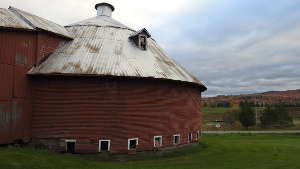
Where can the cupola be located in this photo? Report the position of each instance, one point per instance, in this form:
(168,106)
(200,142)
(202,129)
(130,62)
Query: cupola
(104,9)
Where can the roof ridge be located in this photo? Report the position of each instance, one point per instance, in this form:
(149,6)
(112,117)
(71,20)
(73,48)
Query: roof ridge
(15,12)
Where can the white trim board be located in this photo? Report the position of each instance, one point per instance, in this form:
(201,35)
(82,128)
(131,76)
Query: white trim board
(108,149)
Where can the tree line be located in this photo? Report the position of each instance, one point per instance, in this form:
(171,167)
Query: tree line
(251,103)
(271,116)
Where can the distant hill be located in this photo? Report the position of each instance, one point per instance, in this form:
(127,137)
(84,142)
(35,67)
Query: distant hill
(288,98)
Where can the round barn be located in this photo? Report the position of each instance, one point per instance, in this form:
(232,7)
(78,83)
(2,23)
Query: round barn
(113,89)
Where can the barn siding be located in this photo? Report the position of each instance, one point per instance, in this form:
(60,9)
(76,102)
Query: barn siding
(18,53)
(89,109)
(47,43)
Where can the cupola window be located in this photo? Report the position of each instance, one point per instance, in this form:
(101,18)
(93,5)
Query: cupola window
(140,39)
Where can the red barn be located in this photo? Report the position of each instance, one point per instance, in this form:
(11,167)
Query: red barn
(92,86)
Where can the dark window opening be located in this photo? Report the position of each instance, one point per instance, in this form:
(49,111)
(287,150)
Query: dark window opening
(70,147)
(143,42)
(20,60)
(176,139)
(132,144)
(104,146)
(157,141)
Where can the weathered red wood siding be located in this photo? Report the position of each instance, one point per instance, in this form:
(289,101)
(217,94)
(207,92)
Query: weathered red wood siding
(91,108)
(47,43)
(19,51)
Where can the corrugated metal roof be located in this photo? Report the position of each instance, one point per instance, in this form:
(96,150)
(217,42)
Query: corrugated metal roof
(102,47)
(9,20)
(41,23)
(100,21)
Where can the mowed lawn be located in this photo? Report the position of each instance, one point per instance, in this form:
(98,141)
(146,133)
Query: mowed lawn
(214,152)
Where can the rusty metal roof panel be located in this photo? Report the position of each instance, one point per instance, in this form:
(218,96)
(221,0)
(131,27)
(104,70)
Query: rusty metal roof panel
(9,20)
(40,23)
(106,50)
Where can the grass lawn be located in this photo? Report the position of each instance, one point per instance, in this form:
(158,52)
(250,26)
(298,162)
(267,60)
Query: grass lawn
(214,152)
(217,110)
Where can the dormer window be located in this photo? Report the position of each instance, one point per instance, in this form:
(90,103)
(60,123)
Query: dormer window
(143,42)
(140,39)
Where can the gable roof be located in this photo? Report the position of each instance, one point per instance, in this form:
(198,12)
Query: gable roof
(14,18)
(39,23)
(142,31)
(9,20)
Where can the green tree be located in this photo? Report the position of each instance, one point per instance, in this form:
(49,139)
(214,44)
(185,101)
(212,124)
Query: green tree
(246,115)
(276,117)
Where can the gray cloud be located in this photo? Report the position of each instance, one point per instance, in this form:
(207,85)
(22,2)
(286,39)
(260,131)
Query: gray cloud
(246,47)
(232,46)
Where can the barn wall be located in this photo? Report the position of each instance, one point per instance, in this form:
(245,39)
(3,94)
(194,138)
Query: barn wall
(47,43)
(19,51)
(91,109)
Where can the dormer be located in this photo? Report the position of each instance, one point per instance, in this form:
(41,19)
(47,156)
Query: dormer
(140,38)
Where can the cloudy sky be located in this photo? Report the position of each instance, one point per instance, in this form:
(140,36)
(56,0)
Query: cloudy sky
(233,46)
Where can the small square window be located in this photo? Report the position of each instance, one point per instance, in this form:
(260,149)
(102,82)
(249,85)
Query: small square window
(132,143)
(70,146)
(176,139)
(157,141)
(104,145)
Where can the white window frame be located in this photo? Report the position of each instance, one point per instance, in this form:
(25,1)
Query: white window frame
(100,145)
(189,141)
(161,140)
(137,142)
(70,140)
(176,135)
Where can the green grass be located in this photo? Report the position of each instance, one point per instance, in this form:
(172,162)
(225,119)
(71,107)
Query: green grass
(214,152)
(216,110)
(222,110)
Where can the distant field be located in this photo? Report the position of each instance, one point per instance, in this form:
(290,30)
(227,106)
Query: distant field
(208,110)
(214,152)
